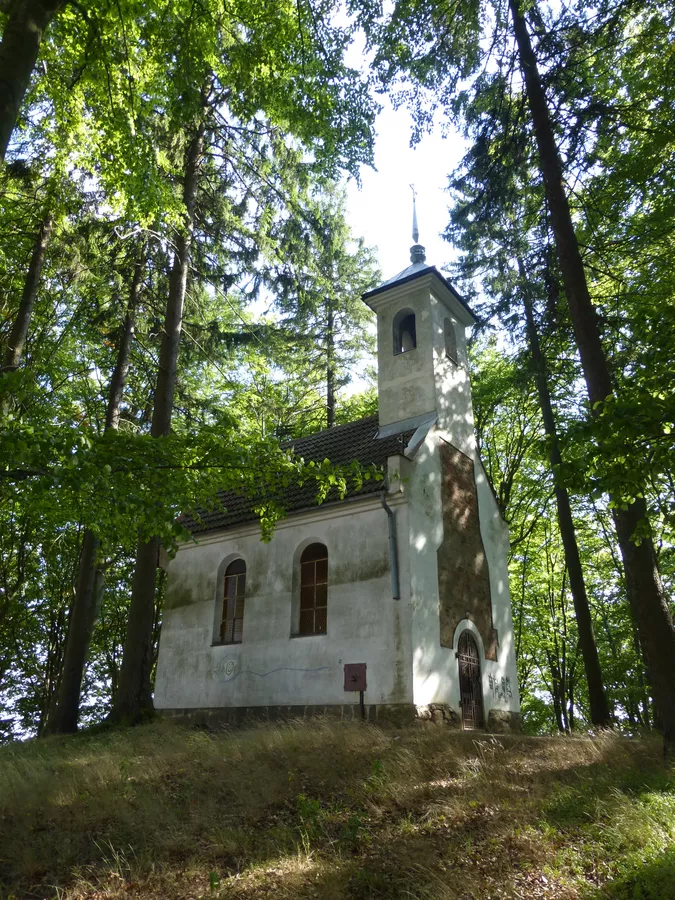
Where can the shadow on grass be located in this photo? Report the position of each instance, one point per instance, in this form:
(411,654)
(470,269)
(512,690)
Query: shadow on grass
(331,811)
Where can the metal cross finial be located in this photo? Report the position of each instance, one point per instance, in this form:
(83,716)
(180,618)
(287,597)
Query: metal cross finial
(416,231)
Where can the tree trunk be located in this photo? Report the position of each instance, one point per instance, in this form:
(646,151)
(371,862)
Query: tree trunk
(330,366)
(557,694)
(648,603)
(17,337)
(121,370)
(27,22)
(600,715)
(645,717)
(134,694)
(66,707)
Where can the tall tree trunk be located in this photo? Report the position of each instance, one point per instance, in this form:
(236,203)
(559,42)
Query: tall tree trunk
(645,718)
(330,366)
(17,337)
(557,693)
(649,605)
(600,715)
(134,694)
(65,710)
(28,20)
(119,376)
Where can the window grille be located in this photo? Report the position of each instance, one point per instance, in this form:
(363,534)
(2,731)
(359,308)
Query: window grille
(232,624)
(314,590)
(470,688)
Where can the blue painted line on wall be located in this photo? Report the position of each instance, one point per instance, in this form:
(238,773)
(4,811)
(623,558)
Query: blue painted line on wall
(272,672)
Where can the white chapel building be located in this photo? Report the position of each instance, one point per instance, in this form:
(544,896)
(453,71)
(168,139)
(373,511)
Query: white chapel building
(392,603)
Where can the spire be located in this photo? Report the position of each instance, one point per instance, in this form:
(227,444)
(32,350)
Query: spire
(416,231)
(417,252)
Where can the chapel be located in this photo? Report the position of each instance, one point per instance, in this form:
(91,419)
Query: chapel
(392,603)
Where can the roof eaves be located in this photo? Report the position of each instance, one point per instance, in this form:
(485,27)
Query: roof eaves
(328,504)
(428,270)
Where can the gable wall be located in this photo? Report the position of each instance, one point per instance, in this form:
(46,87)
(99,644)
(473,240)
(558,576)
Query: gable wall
(269,667)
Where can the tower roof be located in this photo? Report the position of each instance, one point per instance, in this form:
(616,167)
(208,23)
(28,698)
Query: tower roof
(415,270)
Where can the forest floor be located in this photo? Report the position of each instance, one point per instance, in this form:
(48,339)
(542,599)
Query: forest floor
(335,810)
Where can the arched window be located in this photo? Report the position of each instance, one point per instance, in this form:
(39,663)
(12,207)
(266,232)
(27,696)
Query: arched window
(232,623)
(450,340)
(404,331)
(313,590)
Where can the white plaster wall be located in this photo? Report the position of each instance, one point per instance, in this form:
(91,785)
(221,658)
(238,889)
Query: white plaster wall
(435,668)
(405,380)
(433,676)
(411,384)
(270,667)
(453,389)
(502,692)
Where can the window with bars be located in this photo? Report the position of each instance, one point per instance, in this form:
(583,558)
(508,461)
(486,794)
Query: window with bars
(313,590)
(232,623)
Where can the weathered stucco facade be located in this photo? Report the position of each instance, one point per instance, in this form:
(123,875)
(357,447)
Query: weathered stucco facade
(448,564)
(271,667)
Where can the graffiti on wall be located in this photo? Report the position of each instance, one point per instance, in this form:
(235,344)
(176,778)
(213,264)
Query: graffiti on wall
(500,687)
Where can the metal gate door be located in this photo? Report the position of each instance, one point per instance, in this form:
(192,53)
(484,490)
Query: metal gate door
(470,690)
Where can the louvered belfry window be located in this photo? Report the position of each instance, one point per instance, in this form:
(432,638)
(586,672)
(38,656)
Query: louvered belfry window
(314,590)
(232,624)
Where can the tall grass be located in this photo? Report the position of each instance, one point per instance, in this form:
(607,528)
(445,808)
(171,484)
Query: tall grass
(335,810)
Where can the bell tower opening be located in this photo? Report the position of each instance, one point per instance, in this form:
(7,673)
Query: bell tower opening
(405,337)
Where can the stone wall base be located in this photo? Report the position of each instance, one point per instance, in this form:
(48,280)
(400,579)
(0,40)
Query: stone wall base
(501,721)
(438,714)
(394,713)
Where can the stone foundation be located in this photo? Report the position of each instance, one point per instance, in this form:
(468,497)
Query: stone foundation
(438,714)
(501,721)
(395,714)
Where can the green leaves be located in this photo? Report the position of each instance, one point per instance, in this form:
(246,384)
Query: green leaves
(118,483)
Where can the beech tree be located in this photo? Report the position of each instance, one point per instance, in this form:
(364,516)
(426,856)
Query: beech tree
(134,691)
(64,712)
(26,23)
(232,89)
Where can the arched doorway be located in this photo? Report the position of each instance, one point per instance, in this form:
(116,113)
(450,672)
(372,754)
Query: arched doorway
(470,688)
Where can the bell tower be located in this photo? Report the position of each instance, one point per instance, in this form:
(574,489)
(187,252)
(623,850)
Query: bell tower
(421,351)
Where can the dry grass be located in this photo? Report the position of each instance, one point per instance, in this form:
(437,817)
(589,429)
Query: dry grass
(335,810)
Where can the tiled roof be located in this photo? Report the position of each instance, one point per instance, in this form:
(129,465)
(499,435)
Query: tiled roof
(341,445)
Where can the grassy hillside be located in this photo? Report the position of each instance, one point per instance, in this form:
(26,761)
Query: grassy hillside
(329,810)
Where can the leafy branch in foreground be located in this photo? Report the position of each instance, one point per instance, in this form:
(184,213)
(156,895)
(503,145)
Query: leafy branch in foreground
(118,483)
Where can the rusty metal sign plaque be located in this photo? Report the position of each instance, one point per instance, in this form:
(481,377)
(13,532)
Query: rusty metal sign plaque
(355,676)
